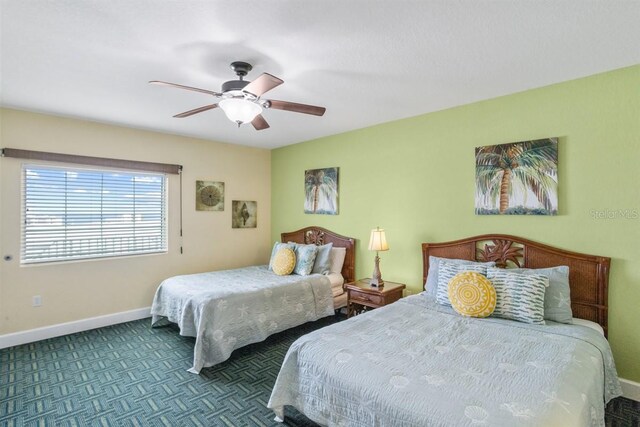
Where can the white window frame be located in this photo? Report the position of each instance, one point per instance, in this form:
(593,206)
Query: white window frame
(111,236)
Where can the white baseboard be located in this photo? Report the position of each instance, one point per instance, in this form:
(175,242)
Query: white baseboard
(31,335)
(630,389)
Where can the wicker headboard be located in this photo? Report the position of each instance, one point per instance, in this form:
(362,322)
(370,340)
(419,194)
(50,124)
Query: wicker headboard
(588,274)
(320,236)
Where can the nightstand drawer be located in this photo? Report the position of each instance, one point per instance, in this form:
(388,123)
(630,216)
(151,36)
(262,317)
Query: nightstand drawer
(364,298)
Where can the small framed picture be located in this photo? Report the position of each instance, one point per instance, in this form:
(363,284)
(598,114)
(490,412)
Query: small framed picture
(244,214)
(209,196)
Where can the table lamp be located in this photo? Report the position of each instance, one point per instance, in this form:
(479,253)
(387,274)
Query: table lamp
(377,242)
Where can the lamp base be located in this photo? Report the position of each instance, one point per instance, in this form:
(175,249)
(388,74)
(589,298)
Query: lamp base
(376,277)
(376,283)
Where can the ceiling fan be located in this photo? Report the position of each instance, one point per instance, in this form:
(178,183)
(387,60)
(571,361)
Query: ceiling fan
(241,100)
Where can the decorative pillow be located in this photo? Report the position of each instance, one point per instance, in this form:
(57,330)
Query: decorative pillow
(446,271)
(472,294)
(519,296)
(337,256)
(322,264)
(557,297)
(431,285)
(284,262)
(305,257)
(277,246)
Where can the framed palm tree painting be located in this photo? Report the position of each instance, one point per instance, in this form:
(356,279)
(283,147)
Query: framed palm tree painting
(520,178)
(321,191)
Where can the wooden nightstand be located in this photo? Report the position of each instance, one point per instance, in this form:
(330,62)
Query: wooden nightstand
(361,296)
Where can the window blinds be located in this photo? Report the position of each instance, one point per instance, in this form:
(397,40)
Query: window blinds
(71,214)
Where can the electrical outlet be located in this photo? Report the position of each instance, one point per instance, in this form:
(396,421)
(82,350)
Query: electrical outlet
(37,301)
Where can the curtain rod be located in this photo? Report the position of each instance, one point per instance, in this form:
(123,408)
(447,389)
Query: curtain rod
(93,161)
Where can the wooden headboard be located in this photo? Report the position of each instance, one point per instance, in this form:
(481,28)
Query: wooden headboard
(588,274)
(320,236)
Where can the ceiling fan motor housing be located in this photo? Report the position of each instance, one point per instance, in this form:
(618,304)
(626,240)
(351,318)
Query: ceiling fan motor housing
(234,85)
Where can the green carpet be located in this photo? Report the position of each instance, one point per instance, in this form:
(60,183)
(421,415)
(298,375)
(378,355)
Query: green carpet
(133,375)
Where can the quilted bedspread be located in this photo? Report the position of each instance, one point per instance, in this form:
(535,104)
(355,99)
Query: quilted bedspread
(225,310)
(417,363)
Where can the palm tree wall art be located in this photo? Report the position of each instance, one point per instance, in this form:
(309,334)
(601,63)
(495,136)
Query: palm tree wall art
(321,191)
(519,178)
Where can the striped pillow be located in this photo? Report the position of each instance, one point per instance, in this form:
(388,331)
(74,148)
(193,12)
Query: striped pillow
(446,271)
(557,297)
(519,296)
(431,284)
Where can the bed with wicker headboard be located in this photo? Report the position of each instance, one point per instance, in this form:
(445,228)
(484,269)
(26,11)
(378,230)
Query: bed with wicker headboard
(588,274)
(225,310)
(419,362)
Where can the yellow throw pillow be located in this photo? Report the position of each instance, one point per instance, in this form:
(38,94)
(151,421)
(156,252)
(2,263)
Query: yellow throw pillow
(284,262)
(472,294)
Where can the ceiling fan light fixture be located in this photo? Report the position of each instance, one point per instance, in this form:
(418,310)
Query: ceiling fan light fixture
(242,100)
(240,110)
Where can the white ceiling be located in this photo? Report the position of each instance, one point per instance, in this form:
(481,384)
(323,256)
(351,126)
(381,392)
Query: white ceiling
(366,61)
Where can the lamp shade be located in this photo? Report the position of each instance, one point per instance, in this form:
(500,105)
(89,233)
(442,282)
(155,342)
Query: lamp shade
(240,110)
(378,240)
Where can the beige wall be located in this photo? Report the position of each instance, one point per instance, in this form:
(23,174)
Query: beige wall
(78,290)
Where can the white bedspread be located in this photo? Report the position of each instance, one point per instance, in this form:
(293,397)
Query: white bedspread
(417,363)
(225,310)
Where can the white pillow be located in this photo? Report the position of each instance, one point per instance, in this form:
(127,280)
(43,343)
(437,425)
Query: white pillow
(336,280)
(336,258)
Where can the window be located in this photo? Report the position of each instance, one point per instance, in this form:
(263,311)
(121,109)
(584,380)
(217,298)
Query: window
(71,214)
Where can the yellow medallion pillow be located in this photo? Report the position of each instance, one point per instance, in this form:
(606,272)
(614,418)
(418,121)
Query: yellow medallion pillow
(284,262)
(472,294)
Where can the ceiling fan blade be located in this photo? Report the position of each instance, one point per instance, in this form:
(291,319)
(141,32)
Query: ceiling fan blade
(195,89)
(262,84)
(259,122)
(196,111)
(298,108)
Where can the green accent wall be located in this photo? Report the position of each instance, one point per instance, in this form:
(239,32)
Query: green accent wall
(415,178)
